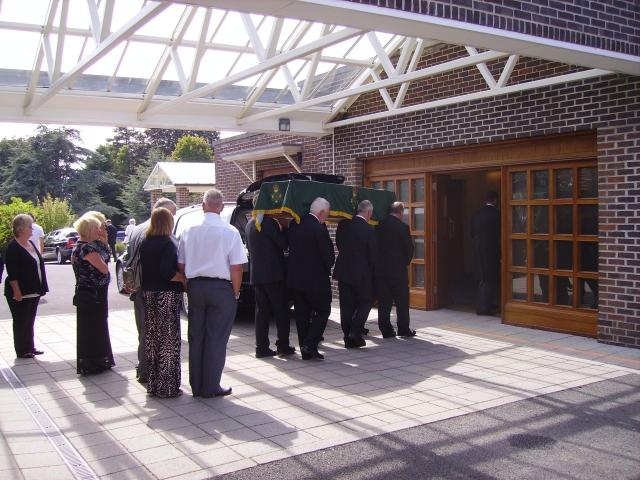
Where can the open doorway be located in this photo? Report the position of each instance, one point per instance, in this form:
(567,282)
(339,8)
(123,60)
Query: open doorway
(458,196)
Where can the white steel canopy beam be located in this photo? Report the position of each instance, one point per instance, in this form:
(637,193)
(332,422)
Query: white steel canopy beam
(146,14)
(407,77)
(570,77)
(273,62)
(368,17)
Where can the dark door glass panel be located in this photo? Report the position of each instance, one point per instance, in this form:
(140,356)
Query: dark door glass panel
(541,288)
(541,184)
(564,182)
(418,250)
(540,219)
(564,219)
(403,190)
(588,182)
(375,185)
(588,219)
(588,256)
(540,254)
(406,215)
(519,255)
(417,187)
(519,219)
(519,185)
(588,293)
(418,219)
(417,275)
(519,286)
(564,255)
(564,290)
(389,185)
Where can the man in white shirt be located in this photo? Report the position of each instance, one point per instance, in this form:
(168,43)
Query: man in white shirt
(211,256)
(129,230)
(37,237)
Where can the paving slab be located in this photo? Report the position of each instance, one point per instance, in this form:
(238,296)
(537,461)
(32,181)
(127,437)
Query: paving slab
(458,365)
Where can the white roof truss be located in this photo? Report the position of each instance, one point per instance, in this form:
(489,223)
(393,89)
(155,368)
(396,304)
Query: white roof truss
(243,64)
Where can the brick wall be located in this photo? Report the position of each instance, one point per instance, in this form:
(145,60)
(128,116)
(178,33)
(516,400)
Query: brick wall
(610,24)
(183,197)
(230,179)
(608,105)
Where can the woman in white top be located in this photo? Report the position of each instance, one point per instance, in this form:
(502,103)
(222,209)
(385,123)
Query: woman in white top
(26,282)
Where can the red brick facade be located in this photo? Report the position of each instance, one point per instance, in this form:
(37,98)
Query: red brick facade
(608,105)
(610,24)
(230,180)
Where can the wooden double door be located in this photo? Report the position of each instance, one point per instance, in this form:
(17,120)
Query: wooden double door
(549,224)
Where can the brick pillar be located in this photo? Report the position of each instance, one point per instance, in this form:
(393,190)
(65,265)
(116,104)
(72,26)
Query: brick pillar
(182,196)
(155,195)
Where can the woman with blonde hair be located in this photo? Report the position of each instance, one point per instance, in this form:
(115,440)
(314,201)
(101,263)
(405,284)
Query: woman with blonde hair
(161,286)
(26,282)
(89,262)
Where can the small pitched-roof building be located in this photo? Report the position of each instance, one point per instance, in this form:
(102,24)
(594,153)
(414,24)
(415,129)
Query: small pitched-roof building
(182,178)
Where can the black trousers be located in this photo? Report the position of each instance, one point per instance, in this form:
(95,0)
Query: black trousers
(312,311)
(24,316)
(390,292)
(271,304)
(354,309)
(486,297)
(112,246)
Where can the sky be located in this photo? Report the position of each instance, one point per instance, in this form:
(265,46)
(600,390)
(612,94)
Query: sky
(91,136)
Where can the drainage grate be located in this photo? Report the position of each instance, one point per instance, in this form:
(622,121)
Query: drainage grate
(530,441)
(80,469)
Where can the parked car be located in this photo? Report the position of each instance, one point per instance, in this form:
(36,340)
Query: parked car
(237,214)
(59,244)
(120,236)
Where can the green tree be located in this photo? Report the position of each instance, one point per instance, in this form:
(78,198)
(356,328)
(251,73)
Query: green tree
(166,139)
(192,149)
(135,200)
(54,213)
(10,210)
(45,164)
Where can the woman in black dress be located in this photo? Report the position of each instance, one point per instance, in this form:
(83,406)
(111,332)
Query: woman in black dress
(89,260)
(26,282)
(161,287)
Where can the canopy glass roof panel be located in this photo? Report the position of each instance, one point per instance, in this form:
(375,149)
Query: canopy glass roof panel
(185,63)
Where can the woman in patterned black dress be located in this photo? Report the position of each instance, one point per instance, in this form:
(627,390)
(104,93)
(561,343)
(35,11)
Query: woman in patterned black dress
(89,260)
(161,287)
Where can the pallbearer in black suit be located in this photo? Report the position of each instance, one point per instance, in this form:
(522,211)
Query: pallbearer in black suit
(485,231)
(355,270)
(392,279)
(311,257)
(267,275)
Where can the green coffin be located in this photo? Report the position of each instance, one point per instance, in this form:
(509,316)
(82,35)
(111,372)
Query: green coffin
(294,197)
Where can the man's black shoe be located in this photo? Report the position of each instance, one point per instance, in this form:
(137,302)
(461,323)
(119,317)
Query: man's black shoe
(37,352)
(222,393)
(389,334)
(308,354)
(284,351)
(351,341)
(407,334)
(265,353)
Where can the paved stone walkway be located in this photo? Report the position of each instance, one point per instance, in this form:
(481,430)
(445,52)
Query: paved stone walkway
(459,363)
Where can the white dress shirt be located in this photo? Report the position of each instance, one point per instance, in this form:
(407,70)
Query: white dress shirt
(209,249)
(37,234)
